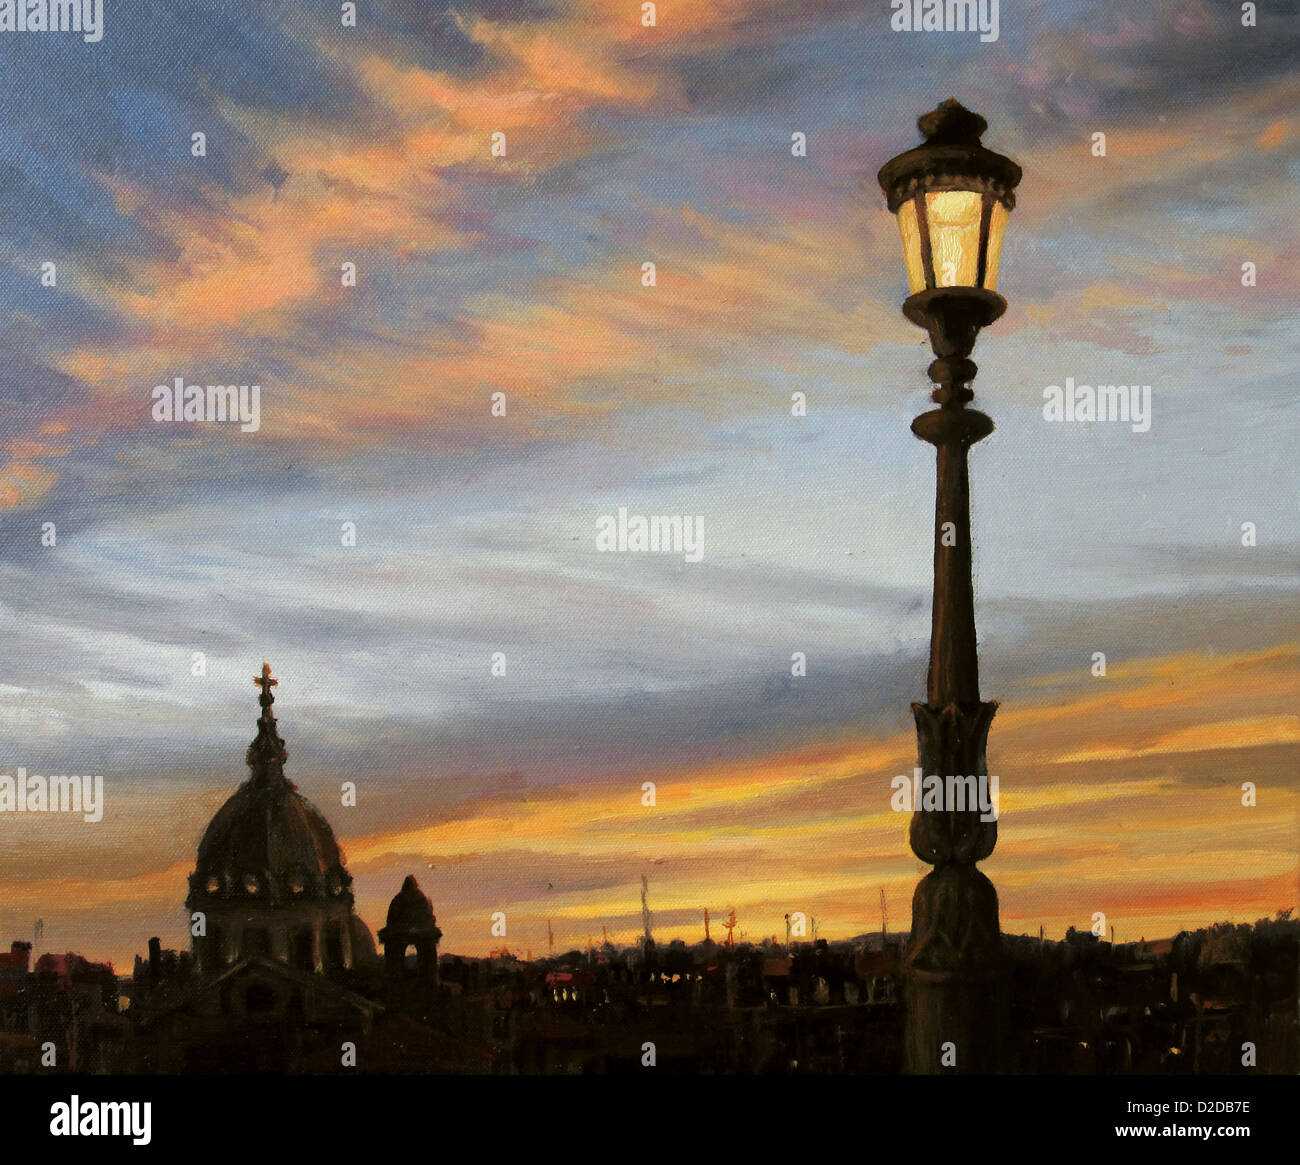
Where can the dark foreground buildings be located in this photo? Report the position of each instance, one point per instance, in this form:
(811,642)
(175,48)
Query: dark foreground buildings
(284,977)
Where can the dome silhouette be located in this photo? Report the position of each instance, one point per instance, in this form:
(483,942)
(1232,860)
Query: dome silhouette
(269,878)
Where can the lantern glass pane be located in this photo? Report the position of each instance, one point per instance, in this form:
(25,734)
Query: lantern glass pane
(997,224)
(954,217)
(911,233)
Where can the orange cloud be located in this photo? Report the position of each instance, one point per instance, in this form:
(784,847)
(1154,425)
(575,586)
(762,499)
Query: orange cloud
(1275,135)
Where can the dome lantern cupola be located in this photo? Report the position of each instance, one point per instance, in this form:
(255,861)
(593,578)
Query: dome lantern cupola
(267,754)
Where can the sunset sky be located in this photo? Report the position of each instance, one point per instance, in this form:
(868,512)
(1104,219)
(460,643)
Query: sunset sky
(475,534)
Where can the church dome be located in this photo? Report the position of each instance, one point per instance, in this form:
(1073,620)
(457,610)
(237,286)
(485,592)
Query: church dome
(268,843)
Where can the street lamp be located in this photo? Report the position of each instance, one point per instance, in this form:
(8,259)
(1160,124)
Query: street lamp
(952,197)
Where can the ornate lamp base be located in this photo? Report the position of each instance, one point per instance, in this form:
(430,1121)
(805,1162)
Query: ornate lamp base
(955,989)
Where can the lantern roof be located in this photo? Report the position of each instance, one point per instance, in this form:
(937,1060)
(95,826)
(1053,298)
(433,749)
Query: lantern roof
(950,158)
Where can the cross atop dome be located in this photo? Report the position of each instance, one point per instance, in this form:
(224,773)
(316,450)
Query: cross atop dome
(266,683)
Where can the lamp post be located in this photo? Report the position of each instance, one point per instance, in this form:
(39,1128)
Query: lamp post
(952,197)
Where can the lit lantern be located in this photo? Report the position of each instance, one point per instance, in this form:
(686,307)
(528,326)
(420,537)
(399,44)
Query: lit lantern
(952,197)
(952,238)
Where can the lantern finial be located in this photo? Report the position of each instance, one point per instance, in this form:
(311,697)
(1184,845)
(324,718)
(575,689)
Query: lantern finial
(952,124)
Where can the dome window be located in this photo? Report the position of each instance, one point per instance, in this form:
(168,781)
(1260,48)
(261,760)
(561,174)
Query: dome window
(214,885)
(252,884)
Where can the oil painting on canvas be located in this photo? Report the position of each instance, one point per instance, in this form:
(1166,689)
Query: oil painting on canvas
(509,568)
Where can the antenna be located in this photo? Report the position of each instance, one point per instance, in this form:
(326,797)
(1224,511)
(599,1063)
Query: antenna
(707,938)
(884,918)
(550,937)
(645,911)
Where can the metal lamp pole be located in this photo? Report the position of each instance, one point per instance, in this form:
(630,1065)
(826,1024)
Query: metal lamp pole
(952,197)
